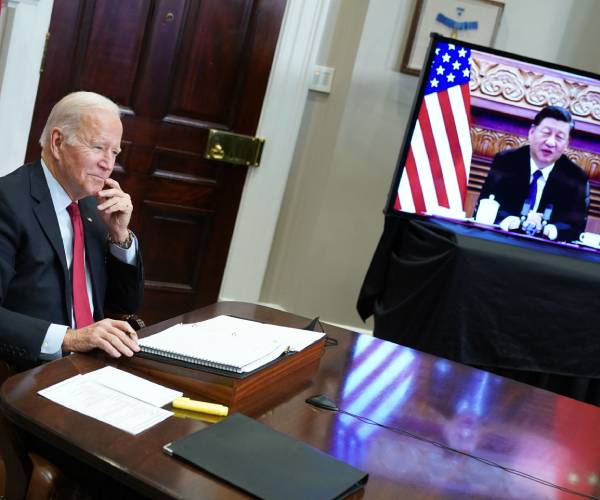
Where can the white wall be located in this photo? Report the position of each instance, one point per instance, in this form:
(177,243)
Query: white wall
(349,142)
(579,45)
(537,28)
(24,26)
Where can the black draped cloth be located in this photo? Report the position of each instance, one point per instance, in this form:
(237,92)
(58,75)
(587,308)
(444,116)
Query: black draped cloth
(522,308)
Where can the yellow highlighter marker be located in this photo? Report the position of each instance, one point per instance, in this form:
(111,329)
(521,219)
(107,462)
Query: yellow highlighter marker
(196,415)
(200,406)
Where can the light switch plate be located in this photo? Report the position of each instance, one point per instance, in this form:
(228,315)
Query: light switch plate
(322,79)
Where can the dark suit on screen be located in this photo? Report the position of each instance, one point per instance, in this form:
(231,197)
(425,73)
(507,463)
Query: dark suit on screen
(35,286)
(567,189)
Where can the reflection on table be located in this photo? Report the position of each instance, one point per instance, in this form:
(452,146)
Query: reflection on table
(484,415)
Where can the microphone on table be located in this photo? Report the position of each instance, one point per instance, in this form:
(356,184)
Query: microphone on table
(551,234)
(525,211)
(528,228)
(547,214)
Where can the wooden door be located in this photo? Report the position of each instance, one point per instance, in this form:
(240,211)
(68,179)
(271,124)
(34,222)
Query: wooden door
(176,68)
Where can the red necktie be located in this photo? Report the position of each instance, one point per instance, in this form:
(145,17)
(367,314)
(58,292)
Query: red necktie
(81,302)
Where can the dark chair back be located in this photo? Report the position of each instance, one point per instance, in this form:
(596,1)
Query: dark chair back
(25,475)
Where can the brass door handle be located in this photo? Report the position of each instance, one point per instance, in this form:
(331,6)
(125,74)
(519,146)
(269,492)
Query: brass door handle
(230,147)
(217,152)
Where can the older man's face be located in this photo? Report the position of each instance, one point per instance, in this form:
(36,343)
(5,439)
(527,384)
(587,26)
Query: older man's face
(548,140)
(88,159)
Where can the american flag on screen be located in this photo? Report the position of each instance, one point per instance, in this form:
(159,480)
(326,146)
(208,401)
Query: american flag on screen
(437,166)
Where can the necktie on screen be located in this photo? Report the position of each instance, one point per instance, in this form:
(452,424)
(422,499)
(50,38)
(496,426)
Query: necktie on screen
(81,301)
(533,187)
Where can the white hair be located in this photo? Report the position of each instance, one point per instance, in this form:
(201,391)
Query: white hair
(66,113)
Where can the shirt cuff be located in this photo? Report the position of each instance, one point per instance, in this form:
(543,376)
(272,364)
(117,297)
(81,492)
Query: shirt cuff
(51,346)
(126,255)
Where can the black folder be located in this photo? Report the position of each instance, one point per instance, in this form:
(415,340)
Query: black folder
(265,462)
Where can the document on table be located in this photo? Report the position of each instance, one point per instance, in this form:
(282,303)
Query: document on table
(115,397)
(134,386)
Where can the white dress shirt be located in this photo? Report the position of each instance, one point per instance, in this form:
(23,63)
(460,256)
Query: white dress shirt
(51,347)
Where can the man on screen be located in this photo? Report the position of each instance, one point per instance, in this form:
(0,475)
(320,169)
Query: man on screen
(539,190)
(66,252)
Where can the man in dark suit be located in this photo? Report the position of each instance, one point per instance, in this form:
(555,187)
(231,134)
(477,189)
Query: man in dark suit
(538,180)
(66,252)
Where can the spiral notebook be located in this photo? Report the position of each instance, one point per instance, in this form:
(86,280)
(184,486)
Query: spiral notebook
(227,343)
(266,463)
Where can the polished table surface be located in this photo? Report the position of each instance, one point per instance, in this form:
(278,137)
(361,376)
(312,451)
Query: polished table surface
(440,403)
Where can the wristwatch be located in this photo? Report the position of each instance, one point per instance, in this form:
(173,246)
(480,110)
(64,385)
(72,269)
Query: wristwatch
(123,244)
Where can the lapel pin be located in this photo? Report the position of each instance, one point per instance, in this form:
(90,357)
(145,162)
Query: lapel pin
(89,219)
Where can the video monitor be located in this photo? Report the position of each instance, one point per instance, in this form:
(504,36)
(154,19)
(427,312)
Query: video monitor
(503,143)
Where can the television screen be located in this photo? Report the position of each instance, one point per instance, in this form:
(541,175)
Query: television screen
(505,144)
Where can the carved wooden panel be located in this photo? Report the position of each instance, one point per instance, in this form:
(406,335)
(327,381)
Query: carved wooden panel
(155,79)
(113,42)
(184,166)
(213,45)
(167,190)
(175,236)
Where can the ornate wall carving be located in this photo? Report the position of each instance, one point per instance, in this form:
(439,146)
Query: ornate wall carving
(531,87)
(488,143)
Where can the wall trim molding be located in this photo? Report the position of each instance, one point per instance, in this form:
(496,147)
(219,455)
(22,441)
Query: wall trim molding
(280,120)
(14,3)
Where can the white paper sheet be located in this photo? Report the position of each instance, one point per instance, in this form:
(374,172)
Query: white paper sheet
(92,395)
(134,386)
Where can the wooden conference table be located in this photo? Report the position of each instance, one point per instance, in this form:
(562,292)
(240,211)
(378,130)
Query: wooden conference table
(517,426)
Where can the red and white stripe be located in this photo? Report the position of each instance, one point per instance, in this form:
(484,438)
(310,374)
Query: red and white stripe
(439,159)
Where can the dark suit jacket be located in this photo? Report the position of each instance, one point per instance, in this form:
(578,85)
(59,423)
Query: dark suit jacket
(35,286)
(567,189)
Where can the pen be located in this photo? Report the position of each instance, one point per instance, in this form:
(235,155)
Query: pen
(200,406)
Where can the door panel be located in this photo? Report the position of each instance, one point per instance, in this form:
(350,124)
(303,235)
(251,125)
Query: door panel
(209,91)
(176,68)
(115,50)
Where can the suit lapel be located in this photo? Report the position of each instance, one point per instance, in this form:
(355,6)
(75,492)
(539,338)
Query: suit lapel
(46,216)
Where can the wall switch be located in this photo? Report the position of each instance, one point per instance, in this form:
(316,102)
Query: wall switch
(321,79)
